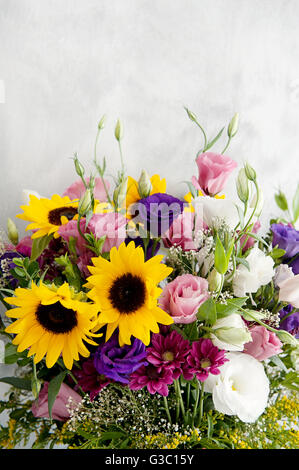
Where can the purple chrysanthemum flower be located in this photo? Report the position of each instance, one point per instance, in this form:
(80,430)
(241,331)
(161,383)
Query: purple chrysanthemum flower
(291,323)
(205,359)
(150,377)
(89,379)
(118,363)
(169,352)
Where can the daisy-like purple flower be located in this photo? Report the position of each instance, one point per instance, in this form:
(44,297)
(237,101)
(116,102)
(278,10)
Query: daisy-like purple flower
(205,359)
(118,363)
(89,379)
(150,377)
(169,352)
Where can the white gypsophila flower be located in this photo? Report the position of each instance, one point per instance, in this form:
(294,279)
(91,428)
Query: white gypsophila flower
(230,333)
(260,273)
(216,211)
(241,388)
(282,273)
(26,193)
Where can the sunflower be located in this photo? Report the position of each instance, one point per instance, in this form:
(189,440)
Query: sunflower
(133,196)
(125,289)
(47,215)
(52,321)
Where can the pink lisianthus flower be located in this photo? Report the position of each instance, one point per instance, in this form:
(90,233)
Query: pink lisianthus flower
(213,172)
(76,189)
(111,224)
(182,297)
(264,343)
(250,240)
(182,231)
(24,246)
(59,409)
(205,359)
(149,376)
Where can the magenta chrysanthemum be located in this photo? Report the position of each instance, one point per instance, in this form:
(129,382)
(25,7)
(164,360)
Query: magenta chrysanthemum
(149,376)
(168,352)
(205,359)
(89,379)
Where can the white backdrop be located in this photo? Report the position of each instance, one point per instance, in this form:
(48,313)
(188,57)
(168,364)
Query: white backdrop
(63,64)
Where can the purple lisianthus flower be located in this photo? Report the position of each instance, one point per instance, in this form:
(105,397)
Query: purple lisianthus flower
(6,264)
(291,323)
(295,265)
(157,212)
(151,250)
(118,362)
(287,238)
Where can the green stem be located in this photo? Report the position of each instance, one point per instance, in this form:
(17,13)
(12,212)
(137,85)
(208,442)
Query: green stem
(227,145)
(201,403)
(196,403)
(180,398)
(121,159)
(243,231)
(167,409)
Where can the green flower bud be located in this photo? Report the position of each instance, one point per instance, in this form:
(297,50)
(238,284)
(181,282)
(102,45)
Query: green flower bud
(118,130)
(120,193)
(102,122)
(281,201)
(79,167)
(232,335)
(144,184)
(214,280)
(233,126)
(250,172)
(35,386)
(12,232)
(287,338)
(242,186)
(191,115)
(84,203)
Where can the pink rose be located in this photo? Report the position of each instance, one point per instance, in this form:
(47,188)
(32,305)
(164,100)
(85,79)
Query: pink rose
(250,241)
(111,224)
(213,171)
(59,409)
(76,190)
(182,297)
(182,231)
(289,291)
(264,343)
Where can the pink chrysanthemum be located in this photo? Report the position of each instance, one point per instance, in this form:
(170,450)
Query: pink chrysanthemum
(89,379)
(168,352)
(205,359)
(150,377)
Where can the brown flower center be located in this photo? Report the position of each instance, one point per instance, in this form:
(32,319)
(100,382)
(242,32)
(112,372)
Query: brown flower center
(127,293)
(56,318)
(55,215)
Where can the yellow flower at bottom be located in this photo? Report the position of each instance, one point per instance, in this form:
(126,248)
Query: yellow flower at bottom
(126,292)
(50,322)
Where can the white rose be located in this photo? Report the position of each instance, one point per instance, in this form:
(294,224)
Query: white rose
(214,211)
(260,274)
(241,388)
(230,333)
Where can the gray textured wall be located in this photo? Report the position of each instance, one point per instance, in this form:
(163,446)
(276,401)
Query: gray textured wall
(65,63)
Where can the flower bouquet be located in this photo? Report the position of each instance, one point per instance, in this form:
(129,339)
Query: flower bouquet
(138,319)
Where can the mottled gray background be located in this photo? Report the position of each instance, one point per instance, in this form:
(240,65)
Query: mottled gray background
(63,64)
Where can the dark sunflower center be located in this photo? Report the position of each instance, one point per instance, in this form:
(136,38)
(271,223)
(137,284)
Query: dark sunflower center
(56,318)
(55,214)
(127,293)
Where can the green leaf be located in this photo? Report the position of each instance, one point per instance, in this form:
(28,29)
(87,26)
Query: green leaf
(296,205)
(18,262)
(108,436)
(277,253)
(207,312)
(278,362)
(191,331)
(24,384)
(221,263)
(231,306)
(210,426)
(191,189)
(53,389)
(244,262)
(38,246)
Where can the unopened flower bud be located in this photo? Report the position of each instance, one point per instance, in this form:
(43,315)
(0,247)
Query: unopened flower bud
(79,167)
(35,386)
(232,335)
(281,201)
(118,130)
(242,186)
(12,232)
(102,122)
(250,172)
(120,192)
(144,185)
(214,280)
(233,126)
(191,115)
(84,203)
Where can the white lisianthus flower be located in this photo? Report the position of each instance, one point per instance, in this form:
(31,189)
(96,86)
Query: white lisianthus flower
(241,388)
(289,291)
(282,273)
(260,274)
(230,333)
(216,211)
